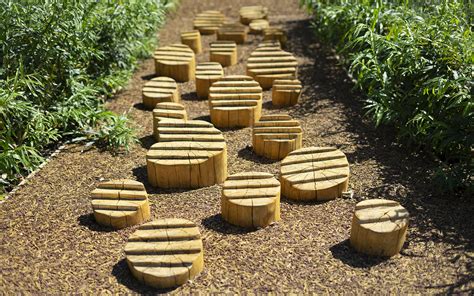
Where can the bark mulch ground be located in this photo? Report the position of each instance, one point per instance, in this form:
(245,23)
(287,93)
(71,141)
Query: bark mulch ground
(50,243)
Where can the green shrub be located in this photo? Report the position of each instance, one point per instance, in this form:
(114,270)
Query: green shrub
(414,61)
(59,60)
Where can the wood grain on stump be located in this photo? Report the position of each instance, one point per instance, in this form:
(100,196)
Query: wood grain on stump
(193,40)
(286,92)
(165,253)
(167,111)
(267,64)
(209,21)
(269,45)
(232,32)
(176,61)
(379,227)
(273,33)
(189,154)
(223,52)
(251,199)
(206,74)
(314,173)
(250,13)
(120,203)
(257,26)
(276,135)
(158,90)
(235,101)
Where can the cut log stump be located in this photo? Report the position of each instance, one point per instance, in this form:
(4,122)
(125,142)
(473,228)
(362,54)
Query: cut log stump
(167,111)
(286,92)
(165,253)
(193,40)
(206,74)
(232,32)
(120,203)
(276,135)
(158,90)
(223,52)
(379,227)
(273,33)
(176,61)
(266,65)
(235,101)
(251,199)
(269,45)
(189,154)
(250,13)
(208,22)
(257,26)
(314,173)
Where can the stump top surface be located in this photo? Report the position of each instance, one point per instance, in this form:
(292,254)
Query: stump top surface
(169,110)
(223,47)
(160,87)
(118,197)
(277,127)
(164,248)
(315,168)
(234,92)
(287,85)
(271,61)
(381,215)
(259,24)
(190,34)
(273,31)
(269,45)
(175,54)
(209,70)
(232,28)
(253,12)
(251,189)
(209,20)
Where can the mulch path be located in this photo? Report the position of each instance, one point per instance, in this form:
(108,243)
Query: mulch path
(51,244)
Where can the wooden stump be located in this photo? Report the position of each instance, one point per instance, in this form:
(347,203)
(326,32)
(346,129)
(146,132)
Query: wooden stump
(120,203)
(209,21)
(269,45)
(165,253)
(176,61)
(266,65)
(206,75)
(232,32)
(167,111)
(158,90)
(251,199)
(250,13)
(314,173)
(224,53)
(286,92)
(235,101)
(274,136)
(257,26)
(193,40)
(379,227)
(272,33)
(189,154)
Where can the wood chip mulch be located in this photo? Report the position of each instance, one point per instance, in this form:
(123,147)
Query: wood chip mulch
(50,243)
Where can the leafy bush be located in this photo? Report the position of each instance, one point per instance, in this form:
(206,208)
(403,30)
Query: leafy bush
(414,61)
(59,60)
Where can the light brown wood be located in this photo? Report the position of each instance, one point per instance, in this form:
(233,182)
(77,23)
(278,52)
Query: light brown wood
(379,227)
(286,92)
(165,253)
(267,64)
(250,13)
(257,26)
(176,61)
(120,203)
(314,173)
(209,21)
(269,45)
(206,74)
(193,40)
(158,90)
(167,111)
(223,52)
(273,33)
(189,154)
(276,135)
(235,101)
(232,32)
(251,199)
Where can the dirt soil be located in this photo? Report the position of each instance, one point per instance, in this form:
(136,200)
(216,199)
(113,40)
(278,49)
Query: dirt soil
(50,243)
